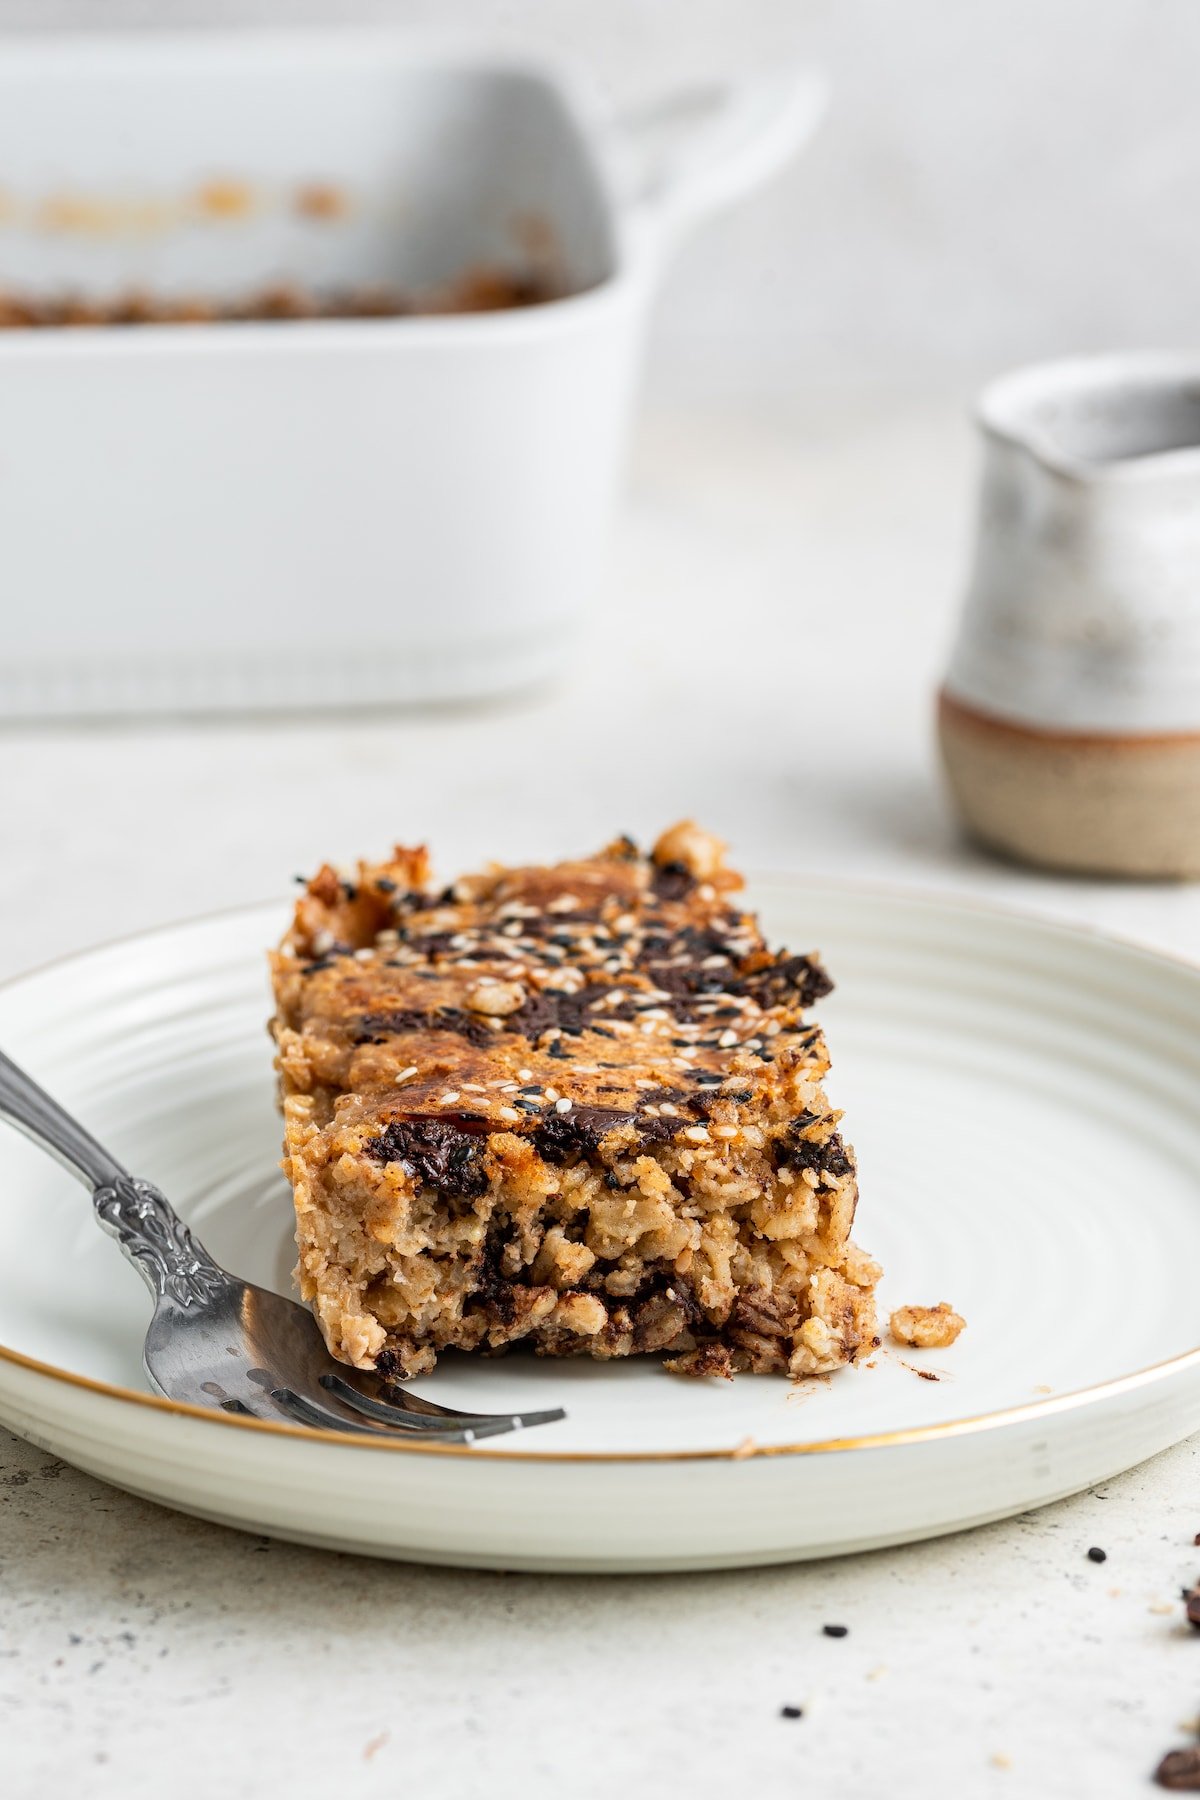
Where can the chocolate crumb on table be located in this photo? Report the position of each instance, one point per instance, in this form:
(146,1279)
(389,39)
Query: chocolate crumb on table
(1096,1555)
(791,1712)
(1180,1770)
(836,1631)
(1191,1604)
(578,1107)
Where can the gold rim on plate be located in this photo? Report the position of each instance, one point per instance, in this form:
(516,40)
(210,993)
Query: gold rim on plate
(746,1452)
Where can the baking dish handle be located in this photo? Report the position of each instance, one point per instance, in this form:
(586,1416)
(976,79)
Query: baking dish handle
(693,152)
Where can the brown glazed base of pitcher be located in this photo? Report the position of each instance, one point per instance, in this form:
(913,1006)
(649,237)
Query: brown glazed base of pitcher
(1088,804)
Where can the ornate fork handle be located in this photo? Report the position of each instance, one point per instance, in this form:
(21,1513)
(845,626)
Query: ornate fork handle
(153,1237)
(158,1243)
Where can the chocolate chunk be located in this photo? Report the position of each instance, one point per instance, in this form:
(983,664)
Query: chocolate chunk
(561,1135)
(444,1156)
(661,1096)
(791,1712)
(443,1018)
(493,1289)
(673,881)
(388,1364)
(785,981)
(828,1158)
(836,1631)
(1096,1555)
(551,1009)
(1191,1600)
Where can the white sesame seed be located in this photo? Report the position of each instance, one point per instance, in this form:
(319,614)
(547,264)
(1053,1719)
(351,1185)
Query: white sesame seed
(724,1131)
(364,956)
(644,1081)
(508,1087)
(727,1040)
(714,962)
(508,1112)
(696,1134)
(562,1106)
(405,1073)
(525,1074)
(668,1111)
(449,1098)
(551,1093)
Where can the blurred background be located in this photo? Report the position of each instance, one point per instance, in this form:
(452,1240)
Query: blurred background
(995,182)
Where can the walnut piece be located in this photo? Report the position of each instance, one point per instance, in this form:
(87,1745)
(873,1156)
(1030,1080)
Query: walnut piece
(926,1327)
(699,851)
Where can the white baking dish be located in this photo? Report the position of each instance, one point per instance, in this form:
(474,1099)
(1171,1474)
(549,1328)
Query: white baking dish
(335,511)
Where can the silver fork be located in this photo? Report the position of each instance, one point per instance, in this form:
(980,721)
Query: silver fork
(220,1342)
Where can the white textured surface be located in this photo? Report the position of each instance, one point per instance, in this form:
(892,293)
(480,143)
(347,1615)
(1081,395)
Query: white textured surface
(778,612)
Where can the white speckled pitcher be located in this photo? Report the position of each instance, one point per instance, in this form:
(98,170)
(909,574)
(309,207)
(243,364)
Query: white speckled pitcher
(1070,715)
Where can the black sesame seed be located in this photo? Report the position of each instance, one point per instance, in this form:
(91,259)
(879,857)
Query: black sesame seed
(836,1631)
(302,879)
(388,886)
(791,1712)
(1097,1555)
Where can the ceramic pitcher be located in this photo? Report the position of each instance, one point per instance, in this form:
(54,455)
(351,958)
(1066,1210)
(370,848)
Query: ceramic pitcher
(1070,715)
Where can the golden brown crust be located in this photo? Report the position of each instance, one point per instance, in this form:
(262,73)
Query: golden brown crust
(579,1104)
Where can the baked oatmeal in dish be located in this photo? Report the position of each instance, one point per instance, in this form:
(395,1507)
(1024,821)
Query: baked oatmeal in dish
(577,1106)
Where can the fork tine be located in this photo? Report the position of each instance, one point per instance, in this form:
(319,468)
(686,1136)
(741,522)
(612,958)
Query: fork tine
(426,1416)
(307,1412)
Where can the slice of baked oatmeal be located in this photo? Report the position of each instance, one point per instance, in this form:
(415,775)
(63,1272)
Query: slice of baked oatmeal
(578,1105)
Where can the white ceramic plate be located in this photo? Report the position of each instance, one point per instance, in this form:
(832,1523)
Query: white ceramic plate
(1023,1100)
